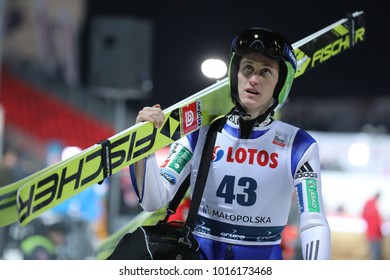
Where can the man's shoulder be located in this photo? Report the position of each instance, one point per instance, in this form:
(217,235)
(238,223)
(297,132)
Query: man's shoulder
(292,129)
(299,135)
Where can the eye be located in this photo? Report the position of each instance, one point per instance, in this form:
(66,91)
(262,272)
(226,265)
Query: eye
(247,69)
(266,71)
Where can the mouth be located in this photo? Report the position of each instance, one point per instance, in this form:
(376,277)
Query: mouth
(252,91)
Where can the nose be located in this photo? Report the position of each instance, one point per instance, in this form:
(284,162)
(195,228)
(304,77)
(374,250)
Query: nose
(254,80)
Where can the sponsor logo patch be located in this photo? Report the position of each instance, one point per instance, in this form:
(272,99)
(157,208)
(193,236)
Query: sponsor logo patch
(306,171)
(191,117)
(217,154)
(280,139)
(180,160)
(312,196)
(168,176)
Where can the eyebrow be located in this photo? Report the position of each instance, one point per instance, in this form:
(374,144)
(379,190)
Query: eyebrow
(265,62)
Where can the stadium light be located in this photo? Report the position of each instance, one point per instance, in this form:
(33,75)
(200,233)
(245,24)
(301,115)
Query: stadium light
(214,68)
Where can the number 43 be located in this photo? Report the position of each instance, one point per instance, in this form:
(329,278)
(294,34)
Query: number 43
(247,193)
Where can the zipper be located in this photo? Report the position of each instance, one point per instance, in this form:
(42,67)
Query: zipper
(229,252)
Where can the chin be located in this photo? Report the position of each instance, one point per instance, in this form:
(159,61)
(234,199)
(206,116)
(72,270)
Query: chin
(251,105)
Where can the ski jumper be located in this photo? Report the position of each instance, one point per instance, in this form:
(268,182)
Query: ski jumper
(247,197)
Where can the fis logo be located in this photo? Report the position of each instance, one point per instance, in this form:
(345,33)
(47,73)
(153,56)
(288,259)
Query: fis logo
(306,171)
(280,139)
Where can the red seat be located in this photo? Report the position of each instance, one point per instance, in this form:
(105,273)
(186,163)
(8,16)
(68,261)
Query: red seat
(46,118)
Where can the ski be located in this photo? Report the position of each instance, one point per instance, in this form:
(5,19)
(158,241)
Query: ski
(26,199)
(329,42)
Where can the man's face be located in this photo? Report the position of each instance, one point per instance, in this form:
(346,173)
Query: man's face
(257,77)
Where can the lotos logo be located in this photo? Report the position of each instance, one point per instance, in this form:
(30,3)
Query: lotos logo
(217,154)
(251,156)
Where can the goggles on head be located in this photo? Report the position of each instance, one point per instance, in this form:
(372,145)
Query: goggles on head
(266,42)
